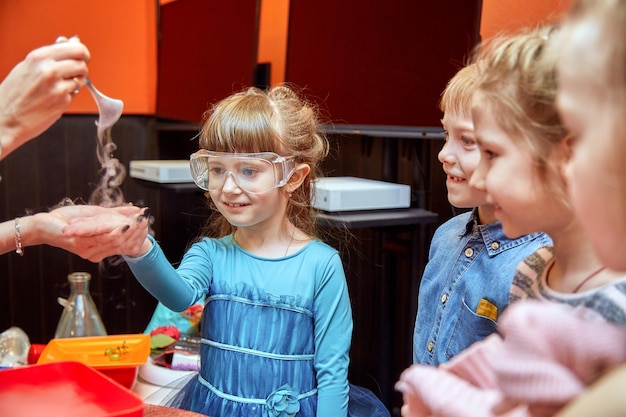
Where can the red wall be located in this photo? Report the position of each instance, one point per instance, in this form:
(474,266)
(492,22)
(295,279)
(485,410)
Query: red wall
(372,64)
(207,50)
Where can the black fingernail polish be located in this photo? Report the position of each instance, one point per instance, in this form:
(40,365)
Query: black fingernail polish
(125,228)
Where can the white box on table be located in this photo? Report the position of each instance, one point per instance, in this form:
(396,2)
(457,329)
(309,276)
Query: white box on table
(353,193)
(162,171)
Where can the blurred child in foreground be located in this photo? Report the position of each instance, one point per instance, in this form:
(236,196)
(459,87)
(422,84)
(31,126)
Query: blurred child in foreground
(592,104)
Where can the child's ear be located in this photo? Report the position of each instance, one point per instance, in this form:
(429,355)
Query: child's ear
(568,147)
(298,176)
(565,152)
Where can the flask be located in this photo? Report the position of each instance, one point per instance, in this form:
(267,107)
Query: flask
(80,316)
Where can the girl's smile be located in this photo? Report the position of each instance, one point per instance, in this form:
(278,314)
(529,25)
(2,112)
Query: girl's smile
(232,208)
(234,205)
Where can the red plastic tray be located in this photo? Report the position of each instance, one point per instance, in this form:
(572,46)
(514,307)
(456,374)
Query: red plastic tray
(64,389)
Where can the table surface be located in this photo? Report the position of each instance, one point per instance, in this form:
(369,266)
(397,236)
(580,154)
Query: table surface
(151,410)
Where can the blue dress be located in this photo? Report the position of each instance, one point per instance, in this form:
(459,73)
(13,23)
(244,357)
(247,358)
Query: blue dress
(275,332)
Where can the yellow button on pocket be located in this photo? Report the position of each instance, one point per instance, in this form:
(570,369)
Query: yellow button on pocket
(469,252)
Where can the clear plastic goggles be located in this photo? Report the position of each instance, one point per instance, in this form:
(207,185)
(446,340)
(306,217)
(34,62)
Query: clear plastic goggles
(254,173)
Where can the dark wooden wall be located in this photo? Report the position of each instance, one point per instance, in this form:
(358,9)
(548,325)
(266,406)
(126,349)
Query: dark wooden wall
(382,269)
(62,163)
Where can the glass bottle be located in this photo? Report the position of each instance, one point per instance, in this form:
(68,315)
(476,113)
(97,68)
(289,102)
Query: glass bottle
(80,316)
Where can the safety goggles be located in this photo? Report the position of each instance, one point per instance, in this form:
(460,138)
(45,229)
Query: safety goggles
(254,173)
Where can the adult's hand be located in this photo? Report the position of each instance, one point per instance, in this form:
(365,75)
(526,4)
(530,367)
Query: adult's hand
(99,232)
(38,90)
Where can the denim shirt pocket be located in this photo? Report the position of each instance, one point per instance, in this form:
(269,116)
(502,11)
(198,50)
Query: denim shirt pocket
(468,329)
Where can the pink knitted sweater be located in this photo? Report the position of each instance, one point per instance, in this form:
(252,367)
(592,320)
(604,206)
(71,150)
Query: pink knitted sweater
(547,355)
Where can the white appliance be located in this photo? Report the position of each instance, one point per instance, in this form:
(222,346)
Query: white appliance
(352,193)
(163,171)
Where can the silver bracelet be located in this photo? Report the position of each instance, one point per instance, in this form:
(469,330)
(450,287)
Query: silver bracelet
(18,238)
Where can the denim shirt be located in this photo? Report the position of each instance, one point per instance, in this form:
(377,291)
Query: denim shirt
(466,285)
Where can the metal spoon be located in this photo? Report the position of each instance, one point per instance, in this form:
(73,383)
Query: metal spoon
(110,109)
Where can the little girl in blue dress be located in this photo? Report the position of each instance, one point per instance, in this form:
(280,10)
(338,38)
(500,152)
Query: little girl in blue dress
(277,323)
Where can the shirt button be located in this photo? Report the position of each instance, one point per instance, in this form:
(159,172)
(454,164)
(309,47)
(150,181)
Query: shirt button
(430,346)
(444,298)
(495,245)
(469,252)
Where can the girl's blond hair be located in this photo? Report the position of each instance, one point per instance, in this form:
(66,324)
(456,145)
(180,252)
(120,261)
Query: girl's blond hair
(517,76)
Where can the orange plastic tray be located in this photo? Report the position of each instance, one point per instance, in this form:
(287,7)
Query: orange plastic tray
(91,350)
(64,389)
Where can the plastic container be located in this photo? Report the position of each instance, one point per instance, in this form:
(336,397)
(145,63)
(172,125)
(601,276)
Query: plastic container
(64,389)
(92,351)
(160,375)
(34,352)
(14,347)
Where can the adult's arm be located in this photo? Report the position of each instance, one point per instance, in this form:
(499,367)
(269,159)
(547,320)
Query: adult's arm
(48,228)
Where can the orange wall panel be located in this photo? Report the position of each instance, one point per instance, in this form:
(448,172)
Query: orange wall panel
(120,34)
(509,15)
(273,37)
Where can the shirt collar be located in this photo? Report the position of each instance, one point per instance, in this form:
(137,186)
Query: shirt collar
(472,222)
(492,234)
